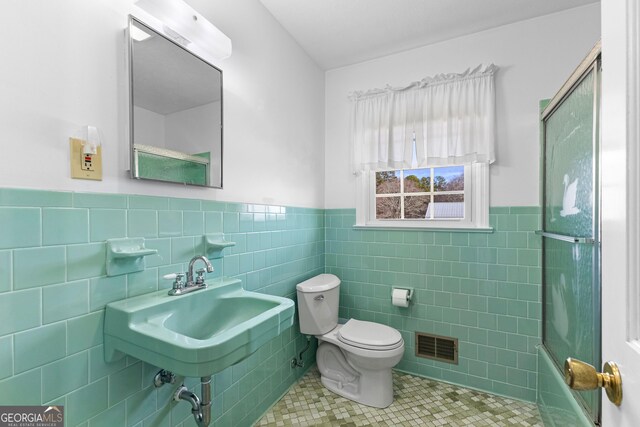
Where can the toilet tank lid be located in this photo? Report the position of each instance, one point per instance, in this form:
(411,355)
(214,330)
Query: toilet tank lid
(319,283)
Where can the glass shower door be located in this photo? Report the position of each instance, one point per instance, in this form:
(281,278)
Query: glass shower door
(570,242)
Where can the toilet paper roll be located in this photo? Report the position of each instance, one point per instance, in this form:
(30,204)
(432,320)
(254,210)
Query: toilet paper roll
(400,297)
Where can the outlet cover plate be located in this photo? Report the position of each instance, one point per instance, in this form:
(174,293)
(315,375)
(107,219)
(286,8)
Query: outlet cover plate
(77,172)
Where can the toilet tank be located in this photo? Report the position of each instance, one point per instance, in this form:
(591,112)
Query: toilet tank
(318,300)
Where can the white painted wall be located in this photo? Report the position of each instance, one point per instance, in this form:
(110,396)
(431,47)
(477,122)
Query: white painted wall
(64,67)
(535,58)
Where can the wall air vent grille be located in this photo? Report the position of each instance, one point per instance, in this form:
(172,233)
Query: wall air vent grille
(437,347)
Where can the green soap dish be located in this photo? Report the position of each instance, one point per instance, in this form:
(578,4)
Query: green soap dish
(126,256)
(214,244)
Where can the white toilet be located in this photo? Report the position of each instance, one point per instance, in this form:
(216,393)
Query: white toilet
(354,359)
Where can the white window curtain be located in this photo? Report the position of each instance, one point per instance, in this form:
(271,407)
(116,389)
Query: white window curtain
(450,117)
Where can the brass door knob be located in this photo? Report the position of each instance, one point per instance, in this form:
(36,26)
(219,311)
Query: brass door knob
(581,376)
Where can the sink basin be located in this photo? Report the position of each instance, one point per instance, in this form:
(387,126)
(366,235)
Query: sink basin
(196,334)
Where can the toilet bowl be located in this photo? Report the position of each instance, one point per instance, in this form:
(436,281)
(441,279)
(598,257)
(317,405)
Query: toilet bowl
(354,359)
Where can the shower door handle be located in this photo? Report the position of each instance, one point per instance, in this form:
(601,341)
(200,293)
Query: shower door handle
(581,376)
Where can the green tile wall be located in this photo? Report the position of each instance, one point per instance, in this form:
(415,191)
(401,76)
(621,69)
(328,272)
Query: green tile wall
(53,289)
(482,288)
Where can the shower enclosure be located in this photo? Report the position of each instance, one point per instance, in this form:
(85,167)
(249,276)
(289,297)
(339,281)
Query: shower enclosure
(571,230)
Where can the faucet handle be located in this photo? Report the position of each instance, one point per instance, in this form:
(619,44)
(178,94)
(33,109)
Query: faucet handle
(177,278)
(200,279)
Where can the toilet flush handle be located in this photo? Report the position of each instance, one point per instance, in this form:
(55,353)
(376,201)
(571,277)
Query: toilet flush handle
(319,298)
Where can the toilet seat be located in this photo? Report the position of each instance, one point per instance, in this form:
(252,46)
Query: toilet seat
(369,335)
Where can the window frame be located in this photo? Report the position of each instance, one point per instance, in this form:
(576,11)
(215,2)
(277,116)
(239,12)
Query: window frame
(476,196)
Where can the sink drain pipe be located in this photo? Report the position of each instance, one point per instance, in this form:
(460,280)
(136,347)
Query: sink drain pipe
(201,409)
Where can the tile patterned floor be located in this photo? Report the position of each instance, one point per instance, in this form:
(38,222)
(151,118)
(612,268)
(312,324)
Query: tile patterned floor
(418,402)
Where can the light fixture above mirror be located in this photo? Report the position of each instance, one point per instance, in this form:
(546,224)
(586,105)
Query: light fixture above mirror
(181,23)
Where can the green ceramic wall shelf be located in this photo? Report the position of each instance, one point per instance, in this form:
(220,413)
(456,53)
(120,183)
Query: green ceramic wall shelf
(214,244)
(126,256)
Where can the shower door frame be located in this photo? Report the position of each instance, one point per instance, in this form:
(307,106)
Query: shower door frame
(591,64)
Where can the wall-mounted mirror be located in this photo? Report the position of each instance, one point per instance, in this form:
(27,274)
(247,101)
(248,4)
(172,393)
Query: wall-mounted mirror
(175,111)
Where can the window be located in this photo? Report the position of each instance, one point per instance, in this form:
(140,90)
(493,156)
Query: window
(422,152)
(425,194)
(432,197)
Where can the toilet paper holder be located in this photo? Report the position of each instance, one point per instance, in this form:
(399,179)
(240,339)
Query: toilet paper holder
(409,293)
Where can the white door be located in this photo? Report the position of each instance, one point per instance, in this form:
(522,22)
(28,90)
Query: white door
(621,205)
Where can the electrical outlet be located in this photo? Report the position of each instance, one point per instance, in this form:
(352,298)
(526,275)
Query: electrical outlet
(87,162)
(85,166)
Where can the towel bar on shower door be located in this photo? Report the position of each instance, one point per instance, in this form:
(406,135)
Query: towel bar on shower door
(570,239)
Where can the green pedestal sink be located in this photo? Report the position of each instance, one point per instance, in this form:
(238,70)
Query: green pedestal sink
(196,334)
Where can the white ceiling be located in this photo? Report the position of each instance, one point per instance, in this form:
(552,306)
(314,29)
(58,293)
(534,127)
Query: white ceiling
(336,33)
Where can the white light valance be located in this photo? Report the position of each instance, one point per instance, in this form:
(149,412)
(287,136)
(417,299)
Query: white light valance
(450,117)
(181,23)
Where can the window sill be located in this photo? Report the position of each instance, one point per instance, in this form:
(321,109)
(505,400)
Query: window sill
(462,229)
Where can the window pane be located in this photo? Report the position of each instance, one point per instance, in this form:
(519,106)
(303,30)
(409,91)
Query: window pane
(447,206)
(388,207)
(415,207)
(448,179)
(417,180)
(387,182)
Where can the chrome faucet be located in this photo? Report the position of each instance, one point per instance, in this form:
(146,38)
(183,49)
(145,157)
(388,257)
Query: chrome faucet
(180,287)
(200,278)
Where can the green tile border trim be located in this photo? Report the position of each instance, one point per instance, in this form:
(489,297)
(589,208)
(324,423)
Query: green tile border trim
(434,229)
(24,197)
